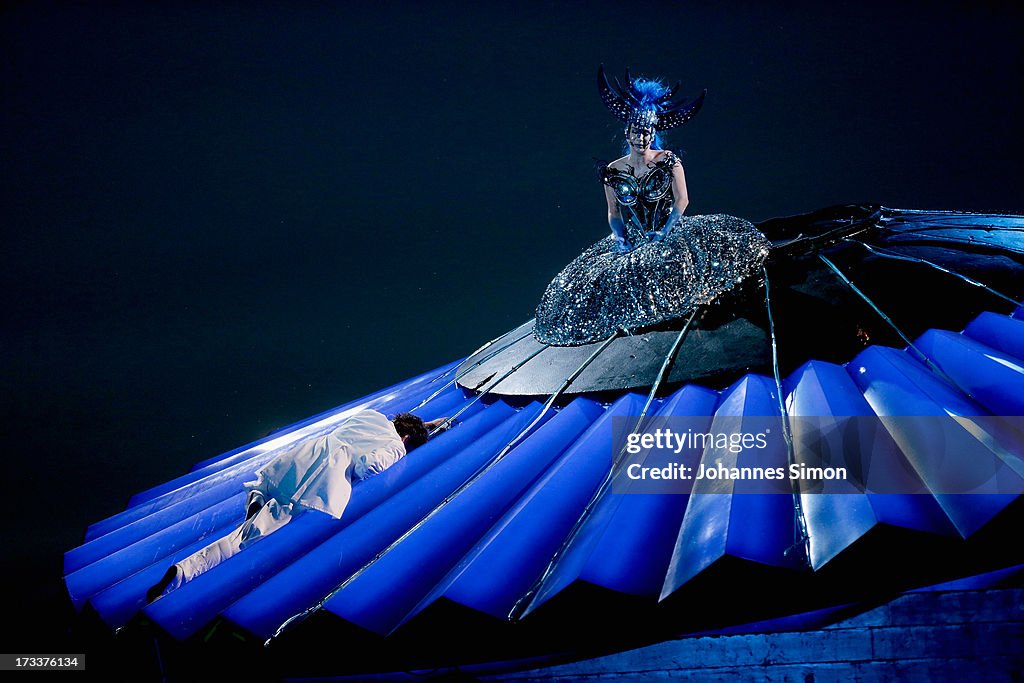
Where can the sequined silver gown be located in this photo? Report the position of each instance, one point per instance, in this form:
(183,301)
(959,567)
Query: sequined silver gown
(602,290)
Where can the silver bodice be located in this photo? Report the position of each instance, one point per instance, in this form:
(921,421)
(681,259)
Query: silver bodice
(645,201)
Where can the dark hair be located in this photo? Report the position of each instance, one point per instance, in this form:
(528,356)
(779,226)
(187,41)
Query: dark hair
(407,424)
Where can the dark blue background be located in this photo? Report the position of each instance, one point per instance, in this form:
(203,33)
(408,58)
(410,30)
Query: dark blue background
(220,218)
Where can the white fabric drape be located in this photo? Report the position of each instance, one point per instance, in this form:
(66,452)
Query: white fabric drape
(316,474)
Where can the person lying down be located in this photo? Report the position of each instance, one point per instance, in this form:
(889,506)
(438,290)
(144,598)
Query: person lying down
(317,475)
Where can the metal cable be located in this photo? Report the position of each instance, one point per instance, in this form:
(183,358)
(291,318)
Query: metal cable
(525,603)
(913,259)
(301,616)
(920,354)
(483,360)
(802,537)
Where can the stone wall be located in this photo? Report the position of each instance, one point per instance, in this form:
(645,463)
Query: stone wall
(930,635)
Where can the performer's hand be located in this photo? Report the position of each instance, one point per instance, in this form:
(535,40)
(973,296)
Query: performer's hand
(622,246)
(657,235)
(434,424)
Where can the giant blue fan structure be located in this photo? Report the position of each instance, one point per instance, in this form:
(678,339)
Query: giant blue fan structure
(501,541)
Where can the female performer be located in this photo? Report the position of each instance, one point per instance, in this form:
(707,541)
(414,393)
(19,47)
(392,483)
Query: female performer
(657,265)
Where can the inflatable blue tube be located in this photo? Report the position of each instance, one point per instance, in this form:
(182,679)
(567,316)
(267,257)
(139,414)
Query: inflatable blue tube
(896,385)
(834,520)
(194,604)
(758,527)
(993,379)
(633,552)
(626,541)
(389,591)
(833,527)
(310,578)
(499,556)
(110,566)
(118,603)
(999,332)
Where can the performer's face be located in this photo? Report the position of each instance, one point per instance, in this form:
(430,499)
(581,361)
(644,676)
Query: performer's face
(640,139)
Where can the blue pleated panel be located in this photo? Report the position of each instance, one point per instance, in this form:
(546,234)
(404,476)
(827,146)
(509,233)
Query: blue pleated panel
(760,525)
(896,385)
(836,520)
(993,379)
(174,511)
(387,500)
(506,561)
(1000,333)
(119,602)
(842,396)
(487,547)
(385,595)
(110,566)
(753,526)
(399,399)
(206,488)
(181,502)
(315,575)
(574,560)
(632,553)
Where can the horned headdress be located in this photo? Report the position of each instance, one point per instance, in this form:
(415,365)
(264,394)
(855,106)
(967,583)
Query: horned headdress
(642,107)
